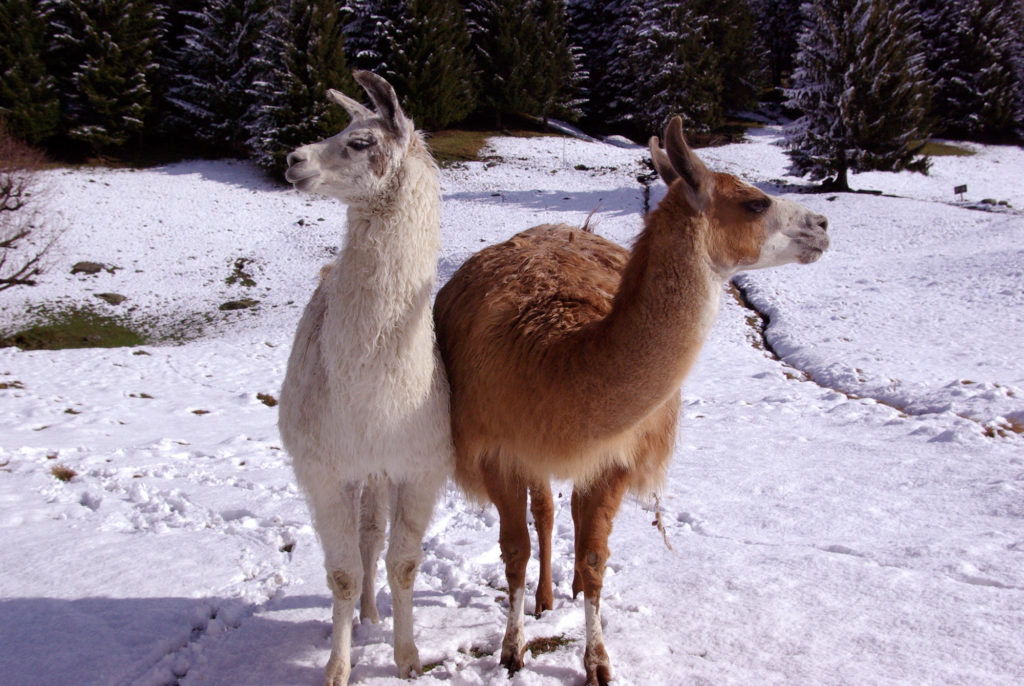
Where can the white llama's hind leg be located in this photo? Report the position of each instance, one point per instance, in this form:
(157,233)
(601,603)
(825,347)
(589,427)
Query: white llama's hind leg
(412,503)
(336,516)
(372,527)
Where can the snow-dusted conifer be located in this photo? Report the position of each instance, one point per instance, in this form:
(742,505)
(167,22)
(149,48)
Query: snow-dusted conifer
(975,57)
(861,88)
(523,57)
(559,89)
(595,27)
(308,57)
(220,61)
(779,23)
(370,28)
(739,53)
(106,48)
(667,68)
(29,102)
(429,62)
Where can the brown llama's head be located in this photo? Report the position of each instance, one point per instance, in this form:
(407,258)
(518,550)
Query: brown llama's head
(747,228)
(359,163)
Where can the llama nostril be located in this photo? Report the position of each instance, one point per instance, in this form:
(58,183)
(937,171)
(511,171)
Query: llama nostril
(821,221)
(294,158)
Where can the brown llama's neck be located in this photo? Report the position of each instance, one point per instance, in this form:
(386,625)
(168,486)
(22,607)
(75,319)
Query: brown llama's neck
(667,300)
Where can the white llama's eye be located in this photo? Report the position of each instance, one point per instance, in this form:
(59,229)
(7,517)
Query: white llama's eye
(358,144)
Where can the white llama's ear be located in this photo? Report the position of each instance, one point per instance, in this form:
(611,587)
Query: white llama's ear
(354,109)
(697,180)
(661,162)
(386,102)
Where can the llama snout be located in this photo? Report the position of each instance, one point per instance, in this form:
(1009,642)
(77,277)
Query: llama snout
(301,170)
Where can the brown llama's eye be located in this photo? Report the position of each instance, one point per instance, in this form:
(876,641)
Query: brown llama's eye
(759,206)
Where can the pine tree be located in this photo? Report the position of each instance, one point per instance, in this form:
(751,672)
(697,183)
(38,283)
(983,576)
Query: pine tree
(596,27)
(107,46)
(370,30)
(740,55)
(668,69)
(220,60)
(861,88)
(428,62)
(28,93)
(525,61)
(975,55)
(559,88)
(309,58)
(169,122)
(502,33)
(779,24)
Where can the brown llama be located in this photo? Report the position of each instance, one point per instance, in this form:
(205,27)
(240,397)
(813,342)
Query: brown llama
(565,354)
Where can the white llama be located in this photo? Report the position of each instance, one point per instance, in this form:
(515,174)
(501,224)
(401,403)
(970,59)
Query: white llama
(364,406)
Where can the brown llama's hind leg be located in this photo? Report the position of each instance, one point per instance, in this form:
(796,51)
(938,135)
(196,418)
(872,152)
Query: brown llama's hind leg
(509,496)
(542,507)
(577,517)
(596,509)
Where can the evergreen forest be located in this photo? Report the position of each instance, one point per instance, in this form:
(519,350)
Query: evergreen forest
(862,83)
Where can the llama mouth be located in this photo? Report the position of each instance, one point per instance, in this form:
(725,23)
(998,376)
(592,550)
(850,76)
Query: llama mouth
(300,180)
(810,255)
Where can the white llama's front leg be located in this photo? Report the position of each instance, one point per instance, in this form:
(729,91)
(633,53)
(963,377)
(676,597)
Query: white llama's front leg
(336,516)
(412,503)
(372,526)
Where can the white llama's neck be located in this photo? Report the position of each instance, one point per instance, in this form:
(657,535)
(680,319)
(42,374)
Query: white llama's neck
(380,286)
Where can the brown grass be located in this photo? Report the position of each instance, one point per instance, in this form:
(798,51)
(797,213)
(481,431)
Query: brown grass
(547,644)
(63,473)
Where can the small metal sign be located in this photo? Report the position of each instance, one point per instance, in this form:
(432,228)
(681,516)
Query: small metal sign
(960,190)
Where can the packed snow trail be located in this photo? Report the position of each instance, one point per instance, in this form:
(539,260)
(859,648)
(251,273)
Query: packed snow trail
(816,537)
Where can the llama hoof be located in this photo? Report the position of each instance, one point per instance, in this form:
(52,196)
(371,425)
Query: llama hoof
(577,585)
(545,601)
(408,661)
(595,661)
(337,674)
(512,660)
(599,676)
(369,616)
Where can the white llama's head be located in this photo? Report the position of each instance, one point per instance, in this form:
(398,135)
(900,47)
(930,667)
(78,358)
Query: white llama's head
(750,229)
(359,163)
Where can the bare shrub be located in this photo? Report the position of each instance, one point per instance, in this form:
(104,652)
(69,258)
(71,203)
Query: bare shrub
(25,239)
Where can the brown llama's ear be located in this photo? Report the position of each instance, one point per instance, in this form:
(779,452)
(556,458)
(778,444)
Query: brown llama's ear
(661,163)
(355,110)
(697,180)
(385,100)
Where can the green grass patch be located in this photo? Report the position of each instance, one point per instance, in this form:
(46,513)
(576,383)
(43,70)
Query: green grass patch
(937,149)
(73,327)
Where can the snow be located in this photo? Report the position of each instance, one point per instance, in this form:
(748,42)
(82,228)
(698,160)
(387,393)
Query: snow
(851,513)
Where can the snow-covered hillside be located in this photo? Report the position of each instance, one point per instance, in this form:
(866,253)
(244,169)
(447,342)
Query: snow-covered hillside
(850,514)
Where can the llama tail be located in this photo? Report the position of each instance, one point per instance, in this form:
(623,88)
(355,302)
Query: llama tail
(589,224)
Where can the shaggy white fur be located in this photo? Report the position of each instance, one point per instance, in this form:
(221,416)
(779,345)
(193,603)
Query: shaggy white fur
(364,405)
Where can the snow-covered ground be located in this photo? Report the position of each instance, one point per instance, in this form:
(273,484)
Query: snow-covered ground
(851,514)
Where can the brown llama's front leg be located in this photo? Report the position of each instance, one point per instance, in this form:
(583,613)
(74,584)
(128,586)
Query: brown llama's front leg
(542,507)
(509,496)
(596,510)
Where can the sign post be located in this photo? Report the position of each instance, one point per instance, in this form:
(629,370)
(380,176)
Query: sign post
(960,190)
